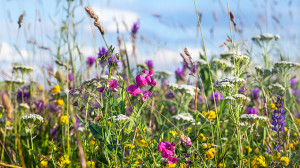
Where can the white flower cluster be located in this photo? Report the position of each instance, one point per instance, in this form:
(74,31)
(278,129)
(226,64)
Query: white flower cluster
(229,98)
(201,62)
(252,117)
(188,89)
(286,65)
(265,37)
(105,77)
(164,73)
(23,68)
(222,63)
(33,119)
(228,83)
(120,117)
(185,117)
(24,106)
(276,87)
(240,97)
(17,81)
(241,58)
(265,72)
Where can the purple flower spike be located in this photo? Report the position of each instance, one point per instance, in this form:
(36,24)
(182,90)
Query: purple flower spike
(218,97)
(135,28)
(90,61)
(113,84)
(255,93)
(251,110)
(134,90)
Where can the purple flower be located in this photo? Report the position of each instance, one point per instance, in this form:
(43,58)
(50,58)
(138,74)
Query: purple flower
(40,106)
(146,95)
(179,73)
(189,162)
(170,95)
(293,82)
(23,94)
(194,69)
(255,93)
(172,160)
(112,60)
(187,155)
(172,109)
(167,150)
(217,96)
(135,28)
(101,89)
(71,77)
(102,55)
(269,150)
(113,84)
(90,61)
(73,91)
(149,64)
(134,90)
(251,110)
(278,117)
(53,108)
(140,80)
(297,92)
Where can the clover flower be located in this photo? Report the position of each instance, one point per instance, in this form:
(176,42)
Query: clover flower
(184,116)
(33,119)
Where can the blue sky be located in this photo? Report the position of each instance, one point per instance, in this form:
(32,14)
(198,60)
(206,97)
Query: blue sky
(166,36)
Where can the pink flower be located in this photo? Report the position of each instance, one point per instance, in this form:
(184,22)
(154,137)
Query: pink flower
(187,141)
(153,83)
(146,95)
(148,74)
(134,90)
(113,84)
(140,80)
(101,89)
(172,160)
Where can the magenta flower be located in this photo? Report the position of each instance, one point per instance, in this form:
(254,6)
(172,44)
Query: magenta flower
(172,160)
(146,95)
(113,84)
(149,64)
(140,80)
(90,61)
(71,77)
(134,90)
(101,89)
(135,28)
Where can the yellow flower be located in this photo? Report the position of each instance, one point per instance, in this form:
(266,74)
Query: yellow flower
(297,120)
(210,115)
(64,160)
(43,162)
(285,129)
(129,146)
(210,154)
(295,133)
(92,142)
(204,146)
(174,133)
(56,89)
(247,149)
(273,107)
(277,155)
(64,120)
(285,161)
(245,161)
(201,137)
(143,143)
(222,165)
(41,88)
(171,165)
(136,164)
(59,102)
(8,123)
(91,164)
(258,162)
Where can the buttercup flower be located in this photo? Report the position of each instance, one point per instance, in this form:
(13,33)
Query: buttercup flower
(56,89)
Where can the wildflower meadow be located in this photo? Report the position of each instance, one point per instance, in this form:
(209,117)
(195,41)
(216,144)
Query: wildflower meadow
(109,109)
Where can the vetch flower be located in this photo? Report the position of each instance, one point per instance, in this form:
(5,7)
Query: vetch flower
(140,80)
(146,95)
(278,117)
(90,61)
(113,84)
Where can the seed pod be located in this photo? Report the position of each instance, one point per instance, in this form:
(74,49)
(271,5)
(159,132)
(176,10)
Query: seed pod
(7,105)
(59,76)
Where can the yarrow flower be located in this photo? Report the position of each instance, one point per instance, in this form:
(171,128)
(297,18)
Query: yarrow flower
(120,117)
(33,119)
(184,116)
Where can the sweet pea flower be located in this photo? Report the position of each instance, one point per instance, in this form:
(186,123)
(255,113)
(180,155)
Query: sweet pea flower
(146,95)
(113,84)
(149,64)
(172,160)
(140,80)
(134,90)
